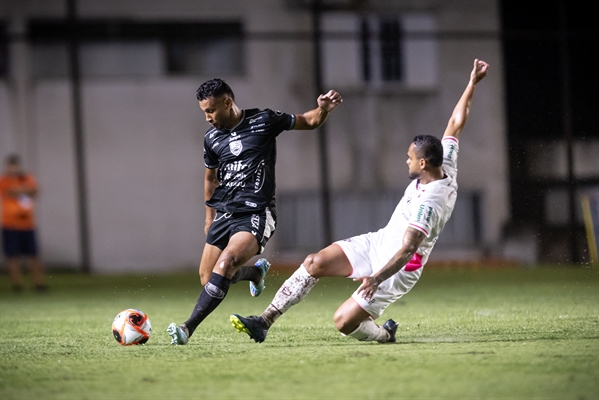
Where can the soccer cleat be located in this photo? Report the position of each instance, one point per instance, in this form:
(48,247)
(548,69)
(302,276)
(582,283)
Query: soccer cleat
(178,334)
(391,327)
(256,289)
(254,326)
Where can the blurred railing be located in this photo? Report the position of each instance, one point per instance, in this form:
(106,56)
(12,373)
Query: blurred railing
(299,226)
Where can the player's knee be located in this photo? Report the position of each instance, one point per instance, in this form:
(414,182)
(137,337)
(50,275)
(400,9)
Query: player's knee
(204,278)
(314,265)
(342,323)
(228,264)
(339,320)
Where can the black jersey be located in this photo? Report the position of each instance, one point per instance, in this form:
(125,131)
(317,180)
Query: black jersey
(245,157)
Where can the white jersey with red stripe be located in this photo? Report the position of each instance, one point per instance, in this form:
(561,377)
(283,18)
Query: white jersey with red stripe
(423,207)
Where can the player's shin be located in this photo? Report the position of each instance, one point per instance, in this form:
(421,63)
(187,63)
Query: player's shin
(293,290)
(211,296)
(247,273)
(368,331)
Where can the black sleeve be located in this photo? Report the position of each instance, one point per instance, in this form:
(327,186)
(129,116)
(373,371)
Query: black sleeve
(281,121)
(210,157)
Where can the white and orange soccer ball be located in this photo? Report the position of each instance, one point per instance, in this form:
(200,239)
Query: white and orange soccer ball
(131,326)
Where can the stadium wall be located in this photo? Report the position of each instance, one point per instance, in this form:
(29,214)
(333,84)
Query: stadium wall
(143,135)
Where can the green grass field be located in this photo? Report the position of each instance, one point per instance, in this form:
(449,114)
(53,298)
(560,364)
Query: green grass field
(464,334)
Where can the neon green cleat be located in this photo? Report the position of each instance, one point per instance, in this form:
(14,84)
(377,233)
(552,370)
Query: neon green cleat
(254,326)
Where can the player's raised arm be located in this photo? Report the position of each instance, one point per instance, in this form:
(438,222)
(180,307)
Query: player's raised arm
(314,118)
(462,109)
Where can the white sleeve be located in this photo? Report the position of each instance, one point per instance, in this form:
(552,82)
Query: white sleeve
(425,218)
(451,148)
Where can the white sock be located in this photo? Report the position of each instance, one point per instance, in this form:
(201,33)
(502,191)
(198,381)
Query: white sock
(293,290)
(368,331)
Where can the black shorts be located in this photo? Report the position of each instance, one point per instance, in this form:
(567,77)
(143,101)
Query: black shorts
(17,243)
(260,224)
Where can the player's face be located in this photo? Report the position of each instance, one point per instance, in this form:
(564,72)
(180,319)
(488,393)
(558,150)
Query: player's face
(217,110)
(415,163)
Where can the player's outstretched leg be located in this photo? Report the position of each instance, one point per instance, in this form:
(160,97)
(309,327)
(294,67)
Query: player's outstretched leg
(254,326)
(257,288)
(178,334)
(293,290)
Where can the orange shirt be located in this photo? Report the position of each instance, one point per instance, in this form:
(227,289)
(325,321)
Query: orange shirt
(17,211)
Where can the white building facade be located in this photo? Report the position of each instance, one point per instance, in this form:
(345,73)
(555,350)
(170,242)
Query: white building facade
(143,129)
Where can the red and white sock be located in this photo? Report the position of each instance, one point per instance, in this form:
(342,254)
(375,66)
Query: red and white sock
(293,290)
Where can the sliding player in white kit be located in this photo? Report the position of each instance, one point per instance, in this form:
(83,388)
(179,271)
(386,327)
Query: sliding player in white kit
(388,262)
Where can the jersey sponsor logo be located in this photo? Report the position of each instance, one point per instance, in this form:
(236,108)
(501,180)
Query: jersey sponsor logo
(451,149)
(234,136)
(255,221)
(423,215)
(236,147)
(259,176)
(236,166)
(255,119)
(235,184)
(420,212)
(240,176)
(251,204)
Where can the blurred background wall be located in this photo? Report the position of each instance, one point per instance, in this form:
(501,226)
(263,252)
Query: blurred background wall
(400,65)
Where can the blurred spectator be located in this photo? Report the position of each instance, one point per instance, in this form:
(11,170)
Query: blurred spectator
(18,191)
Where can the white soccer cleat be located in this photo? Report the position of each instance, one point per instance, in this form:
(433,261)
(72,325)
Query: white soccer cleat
(178,334)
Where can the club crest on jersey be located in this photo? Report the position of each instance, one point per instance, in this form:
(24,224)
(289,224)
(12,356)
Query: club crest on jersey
(236,147)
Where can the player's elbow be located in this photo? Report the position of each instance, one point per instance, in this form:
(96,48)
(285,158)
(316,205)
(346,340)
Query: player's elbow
(408,250)
(310,125)
(308,122)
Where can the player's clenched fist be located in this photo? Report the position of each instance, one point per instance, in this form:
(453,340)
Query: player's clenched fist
(330,100)
(479,71)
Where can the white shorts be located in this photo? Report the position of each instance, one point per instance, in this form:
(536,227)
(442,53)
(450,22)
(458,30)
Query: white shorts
(362,255)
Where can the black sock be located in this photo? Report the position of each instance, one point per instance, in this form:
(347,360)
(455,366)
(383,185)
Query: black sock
(211,296)
(247,273)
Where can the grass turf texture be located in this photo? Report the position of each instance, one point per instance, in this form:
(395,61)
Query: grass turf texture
(515,333)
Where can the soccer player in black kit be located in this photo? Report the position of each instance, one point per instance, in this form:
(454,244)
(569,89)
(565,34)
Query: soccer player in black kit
(239,188)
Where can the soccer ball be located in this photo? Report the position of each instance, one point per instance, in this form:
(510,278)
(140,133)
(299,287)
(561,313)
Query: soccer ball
(131,326)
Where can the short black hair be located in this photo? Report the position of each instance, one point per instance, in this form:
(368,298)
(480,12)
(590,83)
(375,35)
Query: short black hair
(214,88)
(429,148)
(13,159)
